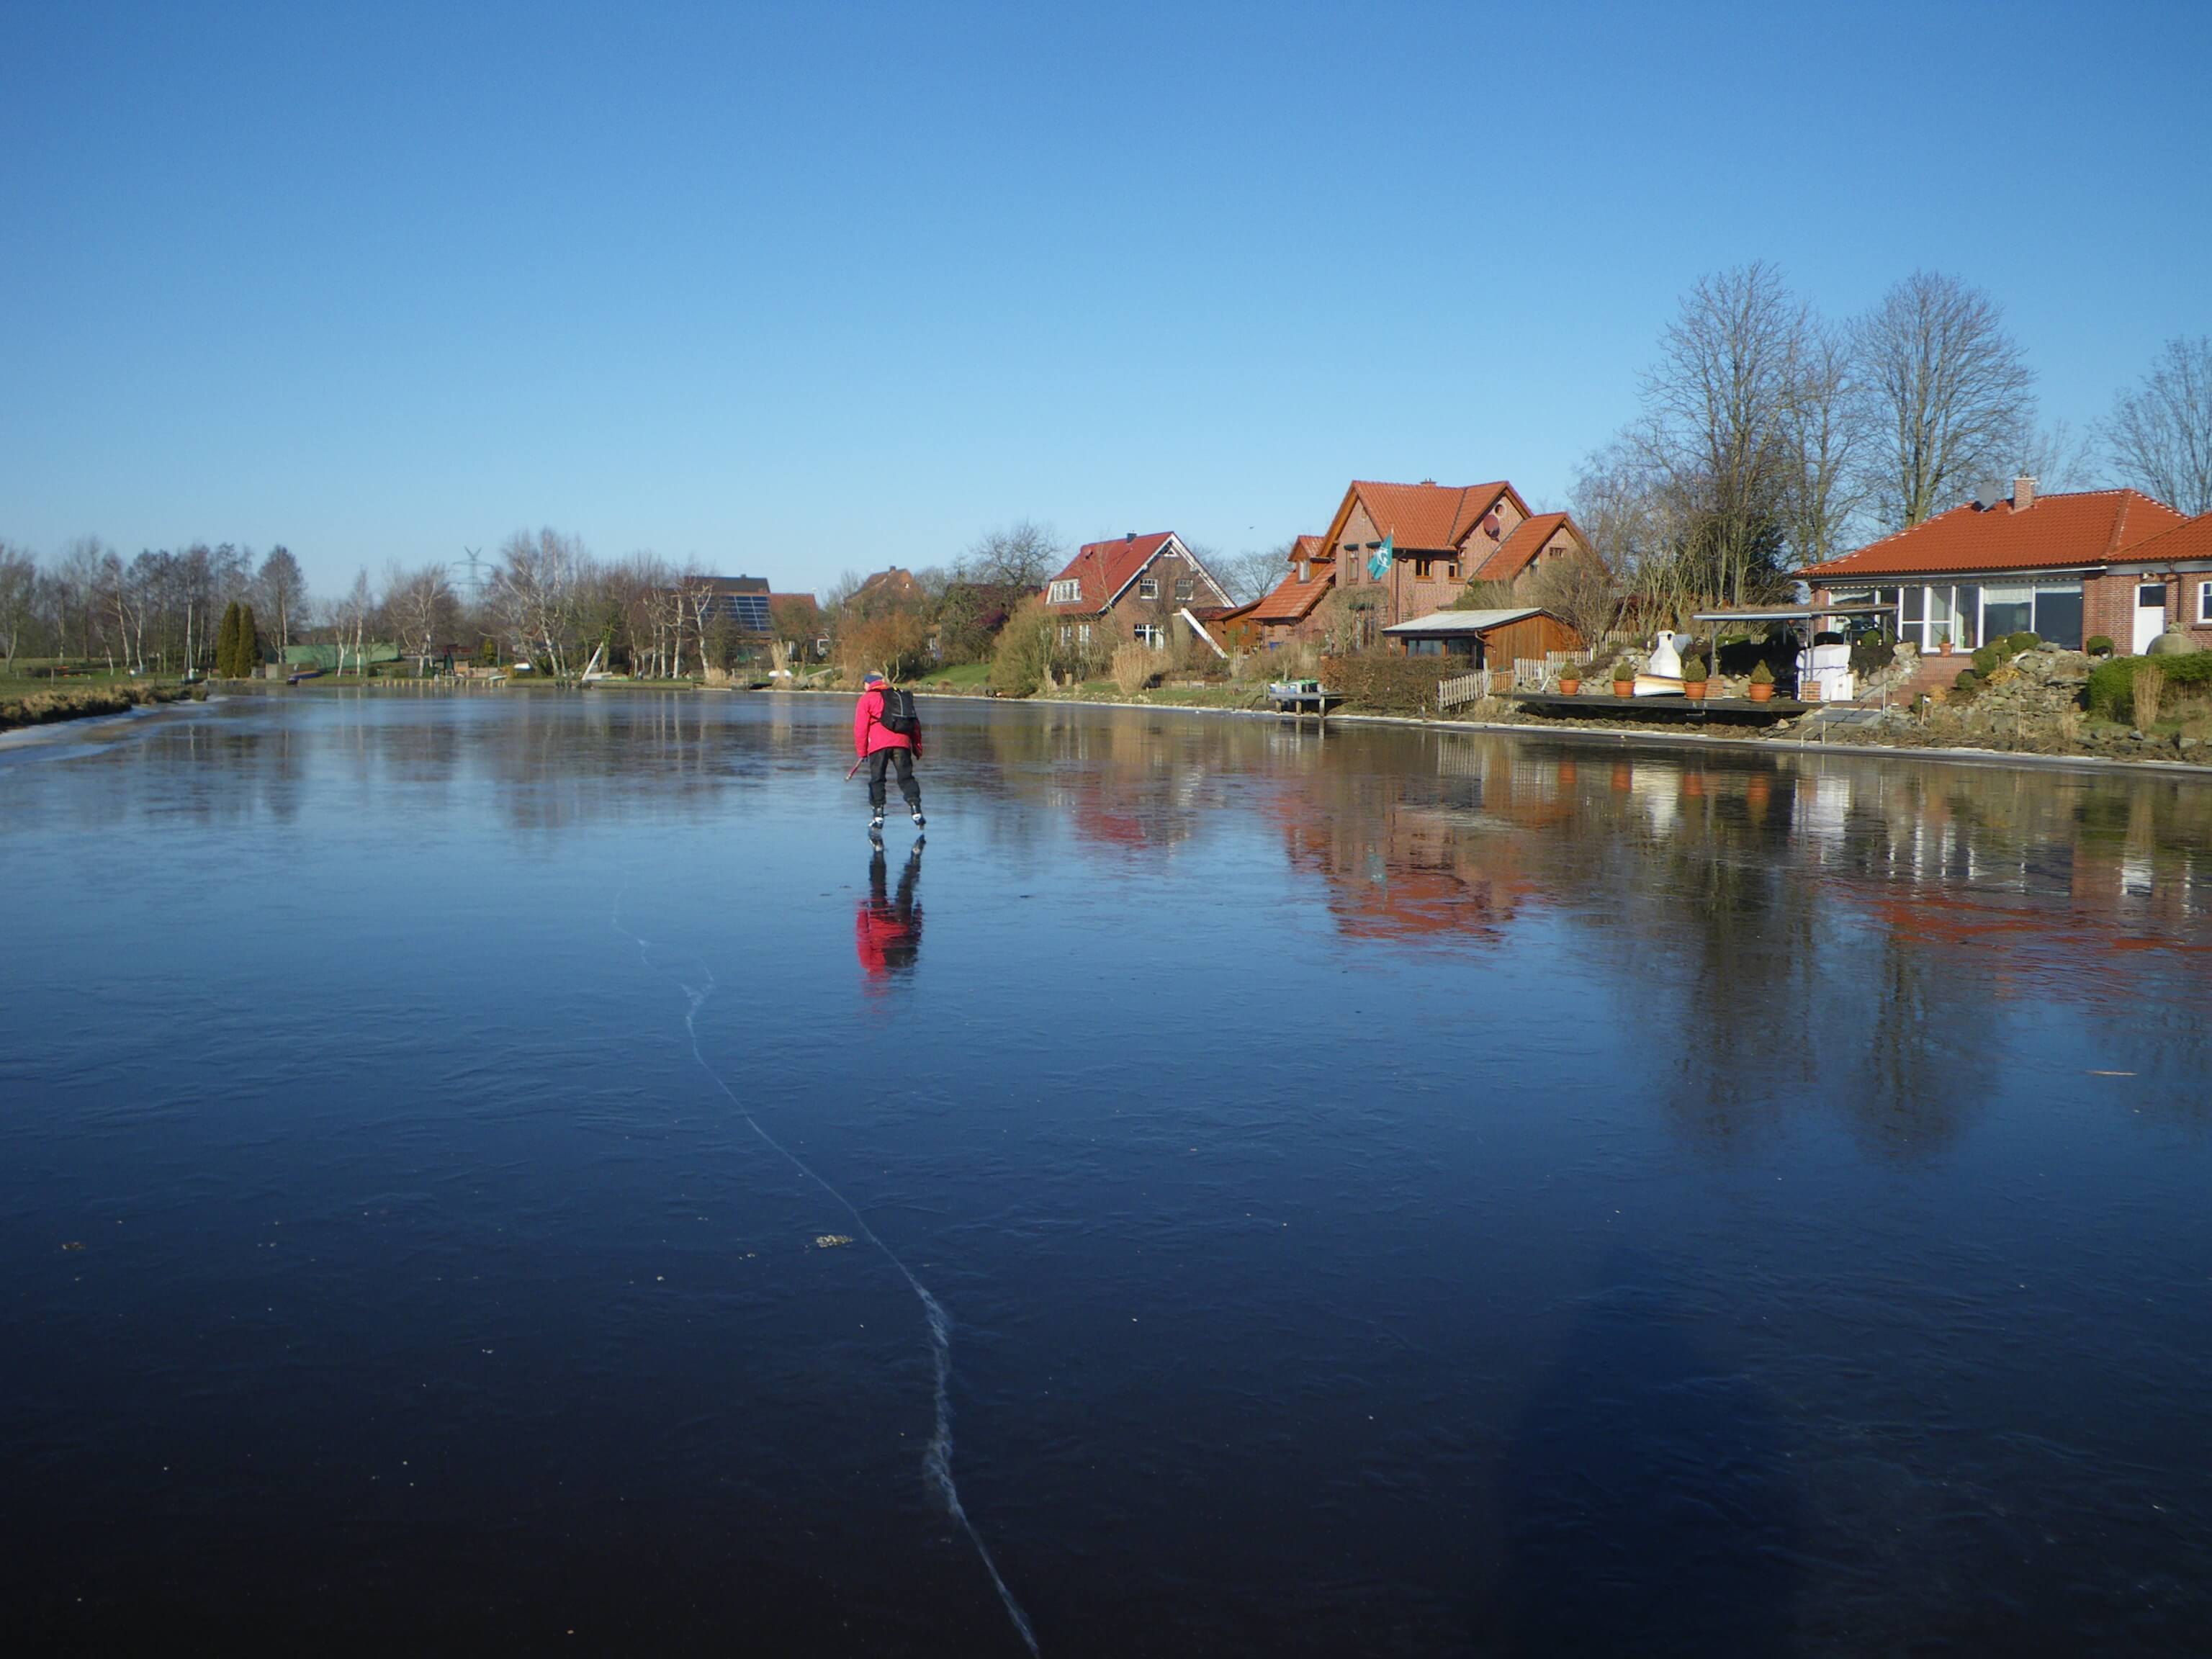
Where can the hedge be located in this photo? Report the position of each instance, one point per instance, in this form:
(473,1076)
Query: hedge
(1387,683)
(2112,685)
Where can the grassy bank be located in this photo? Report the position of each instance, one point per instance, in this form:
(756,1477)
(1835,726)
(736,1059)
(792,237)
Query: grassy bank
(43,701)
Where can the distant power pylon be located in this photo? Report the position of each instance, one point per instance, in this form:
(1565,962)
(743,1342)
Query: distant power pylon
(474,582)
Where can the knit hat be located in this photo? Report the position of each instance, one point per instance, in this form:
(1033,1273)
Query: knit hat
(873,678)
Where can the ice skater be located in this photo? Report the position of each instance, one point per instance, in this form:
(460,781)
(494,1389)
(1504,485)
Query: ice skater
(887,732)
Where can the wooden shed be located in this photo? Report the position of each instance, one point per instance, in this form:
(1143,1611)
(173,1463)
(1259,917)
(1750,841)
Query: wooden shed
(1489,639)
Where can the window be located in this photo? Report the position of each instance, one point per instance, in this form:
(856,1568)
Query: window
(1066,592)
(1421,567)
(2058,615)
(2204,602)
(1083,633)
(1451,571)
(2007,611)
(1186,587)
(1066,634)
(1148,587)
(1151,634)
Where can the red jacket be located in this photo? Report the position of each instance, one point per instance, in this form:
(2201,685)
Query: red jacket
(869,732)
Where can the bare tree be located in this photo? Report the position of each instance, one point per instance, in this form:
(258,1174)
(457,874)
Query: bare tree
(280,590)
(1254,573)
(2056,457)
(1823,430)
(1715,436)
(421,606)
(533,592)
(1022,555)
(1581,589)
(76,576)
(2160,432)
(348,621)
(19,599)
(1953,397)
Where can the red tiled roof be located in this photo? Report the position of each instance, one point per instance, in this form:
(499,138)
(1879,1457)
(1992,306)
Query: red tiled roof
(1520,549)
(2190,540)
(1434,518)
(1104,569)
(1293,600)
(2053,532)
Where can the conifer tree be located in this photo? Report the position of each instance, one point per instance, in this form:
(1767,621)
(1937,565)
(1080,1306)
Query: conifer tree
(226,642)
(249,643)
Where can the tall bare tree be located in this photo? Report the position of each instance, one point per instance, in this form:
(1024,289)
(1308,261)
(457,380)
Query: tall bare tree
(1254,573)
(1954,398)
(533,592)
(1021,555)
(421,606)
(19,599)
(1715,434)
(1823,430)
(2160,432)
(280,591)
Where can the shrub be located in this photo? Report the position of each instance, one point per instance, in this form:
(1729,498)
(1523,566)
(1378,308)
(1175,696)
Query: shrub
(2016,643)
(2145,693)
(1384,682)
(1134,665)
(2111,691)
(1024,652)
(2098,645)
(1987,658)
(1762,673)
(1624,670)
(1967,680)
(1870,655)
(1693,671)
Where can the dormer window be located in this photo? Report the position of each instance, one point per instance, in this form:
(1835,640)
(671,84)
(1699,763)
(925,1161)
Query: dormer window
(1066,592)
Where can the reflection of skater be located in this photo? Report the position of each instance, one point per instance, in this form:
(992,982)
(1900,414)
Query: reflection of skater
(887,732)
(887,932)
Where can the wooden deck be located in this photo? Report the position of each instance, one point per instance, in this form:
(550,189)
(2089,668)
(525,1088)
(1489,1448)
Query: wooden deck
(1740,711)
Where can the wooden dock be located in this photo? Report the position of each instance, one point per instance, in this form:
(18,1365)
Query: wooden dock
(1735,711)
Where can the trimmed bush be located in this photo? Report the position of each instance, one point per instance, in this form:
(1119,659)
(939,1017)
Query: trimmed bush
(1967,680)
(2016,643)
(2111,691)
(1693,671)
(1762,674)
(1987,658)
(1386,683)
(2098,645)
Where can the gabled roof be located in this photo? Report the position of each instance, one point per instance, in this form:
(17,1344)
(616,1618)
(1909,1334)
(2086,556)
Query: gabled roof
(1293,600)
(1519,550)
(1105,568)
(1429,517)
(2052,532)
(2188,543)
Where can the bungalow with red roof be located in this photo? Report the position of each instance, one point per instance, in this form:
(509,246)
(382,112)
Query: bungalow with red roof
(2071,566)
(1404,550)
(1135,588)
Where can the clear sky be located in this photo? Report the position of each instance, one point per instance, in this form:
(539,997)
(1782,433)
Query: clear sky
(798,289)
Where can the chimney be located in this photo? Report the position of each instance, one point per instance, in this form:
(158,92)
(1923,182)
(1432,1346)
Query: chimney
(1130,537)
(2023,493)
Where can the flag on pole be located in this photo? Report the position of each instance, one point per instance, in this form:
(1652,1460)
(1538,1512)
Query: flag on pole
(1378,563)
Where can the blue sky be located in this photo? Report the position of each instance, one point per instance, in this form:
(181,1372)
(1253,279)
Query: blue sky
(795,291)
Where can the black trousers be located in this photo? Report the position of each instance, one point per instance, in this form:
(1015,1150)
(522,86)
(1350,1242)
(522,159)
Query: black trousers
(881,761)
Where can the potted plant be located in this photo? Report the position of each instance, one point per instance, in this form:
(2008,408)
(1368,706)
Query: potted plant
(1762,683)
(1693,677)
(1624,679)
(1571,679)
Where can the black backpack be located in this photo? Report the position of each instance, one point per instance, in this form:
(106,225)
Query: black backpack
(899,714)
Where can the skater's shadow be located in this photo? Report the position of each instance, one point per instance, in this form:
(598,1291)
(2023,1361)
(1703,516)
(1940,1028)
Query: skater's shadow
(887,929)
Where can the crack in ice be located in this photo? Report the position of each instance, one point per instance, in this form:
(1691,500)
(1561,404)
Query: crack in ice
(937,1458)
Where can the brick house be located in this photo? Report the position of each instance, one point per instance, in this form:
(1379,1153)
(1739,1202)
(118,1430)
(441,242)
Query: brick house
(1404,550)
(1135,588)
(2068,567)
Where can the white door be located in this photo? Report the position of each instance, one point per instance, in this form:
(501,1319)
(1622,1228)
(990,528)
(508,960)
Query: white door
(2150,614)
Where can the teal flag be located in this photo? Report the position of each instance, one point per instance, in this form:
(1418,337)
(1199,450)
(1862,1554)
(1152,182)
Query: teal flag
(1378,565)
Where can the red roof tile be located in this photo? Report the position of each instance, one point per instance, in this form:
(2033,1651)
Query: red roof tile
(1433,518)
(2191,540)
(2054,532)
(1105,568)
(1520,549)
(1293,600)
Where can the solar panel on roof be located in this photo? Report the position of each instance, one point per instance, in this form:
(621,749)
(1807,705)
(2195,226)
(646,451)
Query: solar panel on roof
(751,610)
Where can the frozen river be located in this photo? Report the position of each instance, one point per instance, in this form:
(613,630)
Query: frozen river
(1400,1191)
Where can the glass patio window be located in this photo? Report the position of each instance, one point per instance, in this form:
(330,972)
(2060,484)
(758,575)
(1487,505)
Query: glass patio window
(2008,609)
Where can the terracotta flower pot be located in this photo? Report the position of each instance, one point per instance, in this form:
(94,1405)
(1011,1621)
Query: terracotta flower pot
(1760,693)
(1694,690)
(1568,687)
(1623,688)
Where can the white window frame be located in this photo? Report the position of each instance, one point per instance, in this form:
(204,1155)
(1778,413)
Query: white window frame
(1066,592)
(1148,587)
(1083,633)
(2204,602)
(1186,589)
(1151,634)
